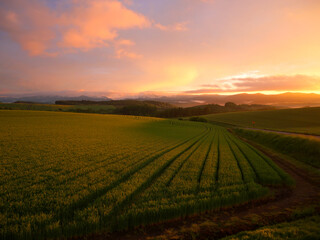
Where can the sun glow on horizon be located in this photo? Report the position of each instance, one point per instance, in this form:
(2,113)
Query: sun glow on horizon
(271,47)
(256,92)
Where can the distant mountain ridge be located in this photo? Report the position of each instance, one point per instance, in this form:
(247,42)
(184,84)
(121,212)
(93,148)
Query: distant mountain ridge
(118,103)
(186,100)
(51,99)
(279,100)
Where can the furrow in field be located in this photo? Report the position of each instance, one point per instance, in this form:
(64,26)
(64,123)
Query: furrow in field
(216,176)
(127,164)
(210,169)
(121,206)
(182,164)
(68,212)
(229,172)
(187,178)
(127,158)
(69,179)
(283,175)
(237,160)
(250,171)
(200,174)
(264,172)
(100,209)
(159,190)
(60,200)
(48,164)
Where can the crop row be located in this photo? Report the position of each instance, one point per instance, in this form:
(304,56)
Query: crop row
(68,174)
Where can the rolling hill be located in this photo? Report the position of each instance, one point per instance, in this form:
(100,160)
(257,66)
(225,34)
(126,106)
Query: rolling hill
(300,120)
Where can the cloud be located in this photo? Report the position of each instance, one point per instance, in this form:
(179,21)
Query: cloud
(205,90)
(85,25)
(122,53)
(28,23)
(179,27)
(210,85)
(278,83)
(121,49)
(95,23)
(265,83)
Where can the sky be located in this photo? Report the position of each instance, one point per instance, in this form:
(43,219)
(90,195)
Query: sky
(167,46)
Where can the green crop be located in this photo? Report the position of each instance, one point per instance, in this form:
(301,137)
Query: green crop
(66,174)
(299,120)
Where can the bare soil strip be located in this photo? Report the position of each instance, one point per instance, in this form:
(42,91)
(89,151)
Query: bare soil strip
(227,221)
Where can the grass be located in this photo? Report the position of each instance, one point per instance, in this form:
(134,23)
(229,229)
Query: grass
(300,120)
(66,174)
(308,228)
(302,149)
(63,108)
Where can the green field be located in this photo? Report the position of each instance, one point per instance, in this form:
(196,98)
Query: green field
(303,149)
(308,228)
(54,107)
(300,120)
(66,174)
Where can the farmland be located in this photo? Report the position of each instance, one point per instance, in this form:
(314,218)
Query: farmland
(65,174)
(300,120)
(56,107)
(308,228)
(303,149)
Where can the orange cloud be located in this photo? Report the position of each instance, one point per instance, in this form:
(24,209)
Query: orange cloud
(28,23)
(94,23)
(175,27)
(87,24)
(278,83)
(265,83)
(122,53)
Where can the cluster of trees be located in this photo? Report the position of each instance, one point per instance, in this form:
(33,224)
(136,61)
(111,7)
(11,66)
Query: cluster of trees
(117,103)
(198,119)
(138,110)
(210,109)
(164,110)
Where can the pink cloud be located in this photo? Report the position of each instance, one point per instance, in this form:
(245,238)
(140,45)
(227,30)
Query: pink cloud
(122,53)
(277,83)
(121,49)
(95,23)
(180,27)
(87,24)
(267,83)
(28,23)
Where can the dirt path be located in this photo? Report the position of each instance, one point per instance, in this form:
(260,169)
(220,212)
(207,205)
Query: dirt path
(312,136)
(249,216)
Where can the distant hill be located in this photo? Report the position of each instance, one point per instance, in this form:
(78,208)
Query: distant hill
(281,100)
(211,109)
(133,107)
(301,120)
(118,103)
(48,99)
(182,100)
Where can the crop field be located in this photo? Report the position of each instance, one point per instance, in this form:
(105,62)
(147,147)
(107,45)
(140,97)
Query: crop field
(308,228)
(67,174)
(303,149)
(55,107)
(300,120)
